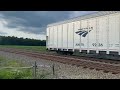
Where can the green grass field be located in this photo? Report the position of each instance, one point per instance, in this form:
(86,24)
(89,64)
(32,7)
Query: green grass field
(20,73)
(31,48)
(14,73)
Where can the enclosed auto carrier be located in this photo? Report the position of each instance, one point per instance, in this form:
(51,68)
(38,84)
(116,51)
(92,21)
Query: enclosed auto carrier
(99,31)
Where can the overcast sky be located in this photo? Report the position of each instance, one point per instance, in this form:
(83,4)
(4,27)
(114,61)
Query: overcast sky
(32,24)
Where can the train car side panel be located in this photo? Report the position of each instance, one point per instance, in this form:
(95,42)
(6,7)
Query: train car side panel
(59,36)
(55,37)
(77,36)
(51,44)
(102,45)
(64,36)
(83,34)
(47,38)
(92,34)
(70,35)
(113,32)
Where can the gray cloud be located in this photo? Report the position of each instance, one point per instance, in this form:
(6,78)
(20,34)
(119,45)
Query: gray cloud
(3,33)
(34,21)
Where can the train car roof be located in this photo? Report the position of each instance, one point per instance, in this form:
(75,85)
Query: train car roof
(87,16)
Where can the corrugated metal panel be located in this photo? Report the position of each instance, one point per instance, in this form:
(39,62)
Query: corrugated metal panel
(96,14)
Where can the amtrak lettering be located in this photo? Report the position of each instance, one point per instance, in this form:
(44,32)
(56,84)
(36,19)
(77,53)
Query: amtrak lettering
(77,44)
(84,31)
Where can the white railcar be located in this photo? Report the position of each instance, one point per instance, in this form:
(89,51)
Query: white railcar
(99,31)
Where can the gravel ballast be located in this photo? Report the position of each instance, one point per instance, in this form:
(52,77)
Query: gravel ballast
(63,71)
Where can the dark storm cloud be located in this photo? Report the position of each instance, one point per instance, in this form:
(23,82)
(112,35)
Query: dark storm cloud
(33,21)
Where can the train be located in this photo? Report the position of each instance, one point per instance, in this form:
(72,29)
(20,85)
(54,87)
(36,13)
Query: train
(96,32)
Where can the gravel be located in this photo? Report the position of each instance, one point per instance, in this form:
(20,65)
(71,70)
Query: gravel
(62,71)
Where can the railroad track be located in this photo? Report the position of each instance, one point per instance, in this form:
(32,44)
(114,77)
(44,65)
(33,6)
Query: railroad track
(105,65)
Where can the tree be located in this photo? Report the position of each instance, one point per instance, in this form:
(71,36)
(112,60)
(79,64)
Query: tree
(7,40)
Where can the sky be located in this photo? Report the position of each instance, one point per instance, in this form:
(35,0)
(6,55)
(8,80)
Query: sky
(32,24)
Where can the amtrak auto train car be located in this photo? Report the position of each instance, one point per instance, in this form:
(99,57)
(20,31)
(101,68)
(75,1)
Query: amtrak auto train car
(99,31)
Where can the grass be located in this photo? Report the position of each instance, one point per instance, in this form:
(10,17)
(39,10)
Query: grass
(31,48)
(20,73)
(14,73)
(1,59)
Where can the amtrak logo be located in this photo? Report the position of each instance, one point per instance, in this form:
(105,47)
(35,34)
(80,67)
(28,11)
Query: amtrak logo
(84,31)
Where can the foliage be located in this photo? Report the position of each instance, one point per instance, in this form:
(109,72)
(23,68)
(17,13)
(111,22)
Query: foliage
(7,40)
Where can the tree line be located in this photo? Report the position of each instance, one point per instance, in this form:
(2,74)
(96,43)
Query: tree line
(11,40)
